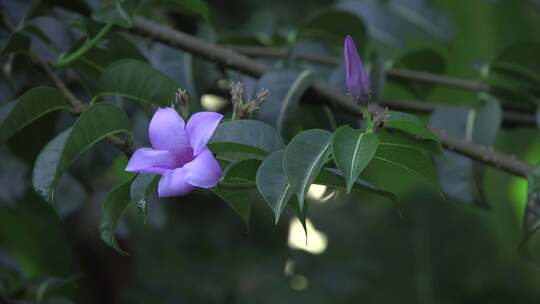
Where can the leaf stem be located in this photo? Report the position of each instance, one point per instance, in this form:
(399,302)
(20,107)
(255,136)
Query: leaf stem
(367,118)
(64,59)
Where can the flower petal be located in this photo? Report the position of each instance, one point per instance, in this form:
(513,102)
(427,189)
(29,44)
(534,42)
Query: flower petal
(173,183)
(200,128)
(166,130)
(357,79)
(147,160)
(204,171)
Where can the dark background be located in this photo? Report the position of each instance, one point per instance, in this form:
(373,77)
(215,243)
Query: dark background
(195,249)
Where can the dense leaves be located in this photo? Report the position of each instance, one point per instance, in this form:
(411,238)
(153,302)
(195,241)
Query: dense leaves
(32,105)
(96,123)
(138,81)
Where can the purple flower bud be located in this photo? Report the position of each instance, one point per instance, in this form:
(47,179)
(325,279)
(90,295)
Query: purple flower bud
(357,79)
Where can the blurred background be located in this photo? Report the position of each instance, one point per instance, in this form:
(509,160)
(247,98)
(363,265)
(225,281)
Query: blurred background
(463,248)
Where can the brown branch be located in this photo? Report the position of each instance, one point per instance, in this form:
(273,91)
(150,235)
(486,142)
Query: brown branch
(510,117)
(469,85)
(79,106)
(236,61)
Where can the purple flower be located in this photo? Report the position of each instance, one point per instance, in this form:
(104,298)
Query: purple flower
(179,152)
(357,79)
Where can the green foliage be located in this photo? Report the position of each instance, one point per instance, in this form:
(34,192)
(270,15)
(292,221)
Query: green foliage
(17,43)
(409,124)
(304,158)
(274,185)
(32,105)
(141,187)
(353,150)
(407,155)
(96,123)
(114,207)
(245,138)
(137,81)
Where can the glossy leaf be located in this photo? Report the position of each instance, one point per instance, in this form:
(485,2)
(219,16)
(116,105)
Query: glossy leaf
(276,190)
(406,156)
(116,203)
(141,187)
(138,81)
(334,177)
(33,104)
(242,171)
(245,136)
(304,158)
(17,43)
(353,150)
(273,184)
(409,124)
(286,87)
(332,25)
(93,125)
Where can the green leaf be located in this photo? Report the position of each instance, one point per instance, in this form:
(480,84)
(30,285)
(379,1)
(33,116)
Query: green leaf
(425,60)
(406,155)
(93,125)
(276,190)
(273,184)
(138,81)
(409,124)
(353,150)
(118,13)
(245,136)
(238,200)
(332,25)
(304,158)
(242,171)
(286,87)
(520,60)
(17,43)
(333,177)
(486,121)
(33,104)
(115,47)
(195,7)
(141,187)
(116,203)
(399,139)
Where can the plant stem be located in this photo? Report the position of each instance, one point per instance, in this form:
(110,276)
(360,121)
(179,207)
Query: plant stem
(64,60)
(367,118)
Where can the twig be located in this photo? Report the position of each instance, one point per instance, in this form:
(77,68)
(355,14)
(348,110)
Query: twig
(77,105)
(469,85)
(234,60)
